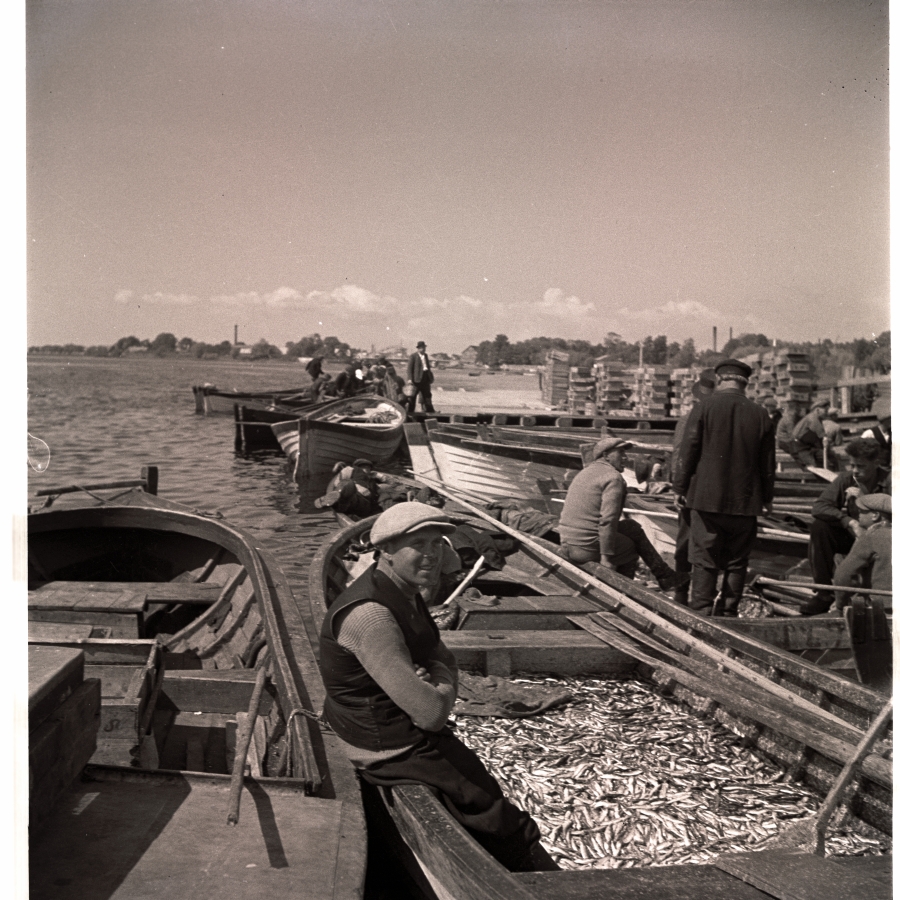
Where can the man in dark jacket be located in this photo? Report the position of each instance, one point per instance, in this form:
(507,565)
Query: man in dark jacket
(420,376)
(725,475)
(835,525)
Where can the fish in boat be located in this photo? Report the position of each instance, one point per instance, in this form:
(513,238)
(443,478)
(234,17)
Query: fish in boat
(549,617)
(173,748)
(364,426)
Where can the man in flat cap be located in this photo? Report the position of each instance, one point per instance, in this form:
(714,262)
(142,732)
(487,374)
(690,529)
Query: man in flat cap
(869,559)
(725,476)
(835,522)
(420,376)
(391,684)
(591,525)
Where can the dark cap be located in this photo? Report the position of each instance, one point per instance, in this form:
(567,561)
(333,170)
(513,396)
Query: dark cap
(705,383)
(733,367)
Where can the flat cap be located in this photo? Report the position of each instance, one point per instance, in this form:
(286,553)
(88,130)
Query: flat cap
(875,502)
(733,367)
(364,462)
(705,383)
(405,518)
(821,404)
(610,443)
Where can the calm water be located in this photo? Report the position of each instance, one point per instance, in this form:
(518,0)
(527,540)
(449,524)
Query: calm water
(105,419)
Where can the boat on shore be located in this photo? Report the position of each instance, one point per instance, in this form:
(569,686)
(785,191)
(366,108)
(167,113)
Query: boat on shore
(547,617)
(209,775)
(365,426)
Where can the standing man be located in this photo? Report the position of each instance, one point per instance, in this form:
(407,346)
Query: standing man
(391,684)
(420,376)
(702,387)
(591,526)
(725,475)
(314,366)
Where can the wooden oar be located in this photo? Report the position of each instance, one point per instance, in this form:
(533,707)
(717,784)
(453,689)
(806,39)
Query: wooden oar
(665,514)
(240,756)
(465,582)
(842,588)
(809,835)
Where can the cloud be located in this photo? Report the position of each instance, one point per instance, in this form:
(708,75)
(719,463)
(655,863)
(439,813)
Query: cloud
(123,296)
(556,302)
(680,308)
(170,299)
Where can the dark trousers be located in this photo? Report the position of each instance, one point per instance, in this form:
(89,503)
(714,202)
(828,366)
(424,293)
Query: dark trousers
(719,543)
(470,793)
(682,548)
(825,540)
(625,559)
(423,391)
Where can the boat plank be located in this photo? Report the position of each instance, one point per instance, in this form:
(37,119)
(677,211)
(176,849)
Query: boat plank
(138,837)
(804,876)
(153,591)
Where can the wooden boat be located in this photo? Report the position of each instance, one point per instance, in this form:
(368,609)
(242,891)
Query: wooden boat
(210,400)
(206,670)
(253,426)
(553,618)
(364,426)
(537,469)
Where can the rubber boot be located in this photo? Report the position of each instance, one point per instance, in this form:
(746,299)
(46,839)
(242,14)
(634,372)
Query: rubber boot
(665,575)
(703,589)
(732,591)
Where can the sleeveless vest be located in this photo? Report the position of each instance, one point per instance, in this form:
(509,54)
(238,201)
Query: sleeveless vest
(357,708)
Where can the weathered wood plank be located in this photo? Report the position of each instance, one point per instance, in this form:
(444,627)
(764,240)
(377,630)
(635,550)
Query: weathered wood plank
(53,674)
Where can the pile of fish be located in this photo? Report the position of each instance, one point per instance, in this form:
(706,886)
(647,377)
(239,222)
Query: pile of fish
(626,777)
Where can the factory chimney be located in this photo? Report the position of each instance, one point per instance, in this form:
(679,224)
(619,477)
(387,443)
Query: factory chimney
(235,335)
(715,338)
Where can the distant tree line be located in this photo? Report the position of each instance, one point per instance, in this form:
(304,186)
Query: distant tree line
(166,344)
(828,358)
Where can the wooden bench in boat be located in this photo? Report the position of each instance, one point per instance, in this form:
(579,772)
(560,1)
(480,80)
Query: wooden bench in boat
(119,606)
(535,613)
(495,652)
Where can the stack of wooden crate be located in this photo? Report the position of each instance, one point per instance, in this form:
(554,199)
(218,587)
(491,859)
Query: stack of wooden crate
(681,390)
(555,378)
(581,395)
(613,386)
(650,391)
(784,375)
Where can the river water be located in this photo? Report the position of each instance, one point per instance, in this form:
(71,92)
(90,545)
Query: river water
(104,419)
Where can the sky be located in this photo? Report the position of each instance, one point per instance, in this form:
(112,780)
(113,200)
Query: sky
(393,170)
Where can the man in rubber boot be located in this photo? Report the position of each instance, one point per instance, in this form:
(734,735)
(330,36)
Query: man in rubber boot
(591,525)
(391,684)
(725,476)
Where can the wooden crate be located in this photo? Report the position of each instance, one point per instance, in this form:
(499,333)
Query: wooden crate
(130,673)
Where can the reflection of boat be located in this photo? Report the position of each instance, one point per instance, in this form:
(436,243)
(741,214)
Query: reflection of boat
(551,617)
(209,400)
(203,656)
(364,426)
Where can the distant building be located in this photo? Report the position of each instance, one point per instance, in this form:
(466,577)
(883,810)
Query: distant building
(469,356)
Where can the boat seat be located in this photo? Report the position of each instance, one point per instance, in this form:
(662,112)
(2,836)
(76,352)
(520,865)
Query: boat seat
(118,606)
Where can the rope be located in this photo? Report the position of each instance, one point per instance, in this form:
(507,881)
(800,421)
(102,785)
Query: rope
(316,717)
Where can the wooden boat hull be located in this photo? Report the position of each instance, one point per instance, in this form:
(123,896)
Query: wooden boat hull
(442,859)
(151,806)
(315,442)
(210,401)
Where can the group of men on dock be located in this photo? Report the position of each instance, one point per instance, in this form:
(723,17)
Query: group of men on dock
(723,474)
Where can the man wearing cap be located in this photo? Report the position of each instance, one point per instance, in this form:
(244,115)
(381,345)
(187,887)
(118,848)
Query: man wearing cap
(420,376)
(391,684)
(870,556)
(725,476)
(835,523)
(702,387)
(591,526)
(808,434)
